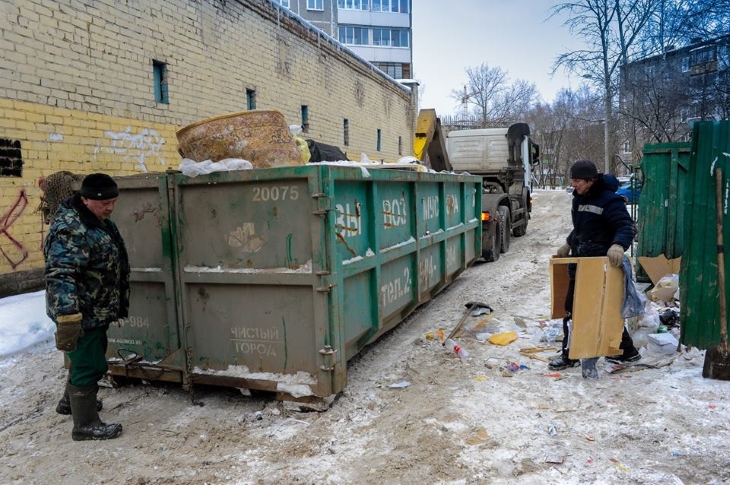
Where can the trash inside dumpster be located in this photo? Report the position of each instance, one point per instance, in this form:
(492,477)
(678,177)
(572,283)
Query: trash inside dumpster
(272,279)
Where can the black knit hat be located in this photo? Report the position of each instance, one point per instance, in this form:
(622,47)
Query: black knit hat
(583,169)
(99,186)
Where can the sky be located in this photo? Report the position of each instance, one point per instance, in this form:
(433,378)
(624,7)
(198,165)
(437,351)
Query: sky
(515,35)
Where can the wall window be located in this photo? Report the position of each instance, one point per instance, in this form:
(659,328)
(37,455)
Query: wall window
(400,145)
(250,99)
(283,3)
(159,75)
(11,160)
(315,4)
(346,132)
(378,143)
(305,118)
(353,35)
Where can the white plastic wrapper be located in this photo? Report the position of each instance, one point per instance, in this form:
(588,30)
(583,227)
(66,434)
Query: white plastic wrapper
(191,168)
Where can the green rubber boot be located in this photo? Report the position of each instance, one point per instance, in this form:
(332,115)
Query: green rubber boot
(87,425)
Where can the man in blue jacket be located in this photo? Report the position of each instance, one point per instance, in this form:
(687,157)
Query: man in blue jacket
(601,227)
(87,288)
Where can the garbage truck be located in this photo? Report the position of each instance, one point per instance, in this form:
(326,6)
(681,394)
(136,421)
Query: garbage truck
(504,158)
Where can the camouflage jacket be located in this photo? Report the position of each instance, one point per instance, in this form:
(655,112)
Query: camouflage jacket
(87,267)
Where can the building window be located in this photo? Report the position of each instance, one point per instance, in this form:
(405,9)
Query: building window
(315,5)
(283,3)
(353,35)
(159,74)
(354,4)
(395,6)
(346,132)
(392,69)
(685,64)
(305,118)
(399,37)
(379,140)
(400,145)
(250,99)
(390,37)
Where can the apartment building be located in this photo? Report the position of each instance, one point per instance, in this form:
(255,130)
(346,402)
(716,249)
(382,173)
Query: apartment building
(665,93)
(379,31)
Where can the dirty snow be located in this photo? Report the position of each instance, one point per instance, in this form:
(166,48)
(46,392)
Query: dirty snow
(458,421)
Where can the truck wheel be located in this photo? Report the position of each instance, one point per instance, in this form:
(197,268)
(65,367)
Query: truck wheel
(491,247)
(505,226)
(521,230)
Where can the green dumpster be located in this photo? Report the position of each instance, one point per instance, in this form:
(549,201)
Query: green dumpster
(272,279)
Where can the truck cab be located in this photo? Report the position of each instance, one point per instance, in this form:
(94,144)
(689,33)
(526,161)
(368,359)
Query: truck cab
(505,158)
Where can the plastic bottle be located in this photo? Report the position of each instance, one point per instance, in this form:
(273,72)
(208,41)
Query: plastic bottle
(458,349)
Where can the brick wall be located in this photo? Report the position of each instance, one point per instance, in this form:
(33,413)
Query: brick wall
(77,94)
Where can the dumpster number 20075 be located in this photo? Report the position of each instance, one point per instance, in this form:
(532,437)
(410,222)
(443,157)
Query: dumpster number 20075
(263,194)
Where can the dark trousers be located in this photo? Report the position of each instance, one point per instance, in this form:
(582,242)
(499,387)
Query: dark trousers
(626,341)
(88,361)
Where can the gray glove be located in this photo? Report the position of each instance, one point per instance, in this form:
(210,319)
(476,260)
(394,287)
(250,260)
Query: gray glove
(563,251)
(68,332)
(616,255)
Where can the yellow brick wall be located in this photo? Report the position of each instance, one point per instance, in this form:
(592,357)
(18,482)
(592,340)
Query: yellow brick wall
(76,91)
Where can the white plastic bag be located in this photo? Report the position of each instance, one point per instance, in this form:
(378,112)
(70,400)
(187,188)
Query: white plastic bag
(191,168)
(666,288)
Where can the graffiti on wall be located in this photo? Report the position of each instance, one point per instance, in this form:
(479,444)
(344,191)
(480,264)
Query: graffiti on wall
(13,252)
(11,158)
(139,148)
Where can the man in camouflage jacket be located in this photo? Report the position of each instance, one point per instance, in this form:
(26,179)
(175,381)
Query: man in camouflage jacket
(87,289)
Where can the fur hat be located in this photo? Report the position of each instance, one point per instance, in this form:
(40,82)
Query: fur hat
(583,169)
(99,186)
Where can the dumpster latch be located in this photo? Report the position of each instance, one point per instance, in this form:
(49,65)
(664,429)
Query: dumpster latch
(325,289)
(328,353)
(324,204)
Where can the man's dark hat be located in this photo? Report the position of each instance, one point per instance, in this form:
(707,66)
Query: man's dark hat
(99,186)
(583,169)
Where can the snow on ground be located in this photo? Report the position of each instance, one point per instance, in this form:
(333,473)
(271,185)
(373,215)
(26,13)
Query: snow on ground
(457,422)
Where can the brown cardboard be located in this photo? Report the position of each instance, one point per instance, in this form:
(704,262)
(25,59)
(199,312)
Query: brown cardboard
(597,322)
(660,266)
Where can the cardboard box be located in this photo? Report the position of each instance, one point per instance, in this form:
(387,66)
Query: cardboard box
(599,290)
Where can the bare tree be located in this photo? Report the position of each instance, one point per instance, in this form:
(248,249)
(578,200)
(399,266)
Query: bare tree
(655,100)
(567,130)
(493,99)
(610,29)
(484,85)
(513,103)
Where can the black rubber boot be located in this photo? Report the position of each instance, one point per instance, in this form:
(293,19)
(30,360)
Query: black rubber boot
(87,425)
(630,355)
(563,362)
(64,405)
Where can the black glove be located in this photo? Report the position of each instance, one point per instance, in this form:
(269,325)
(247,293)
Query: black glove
(68,332)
